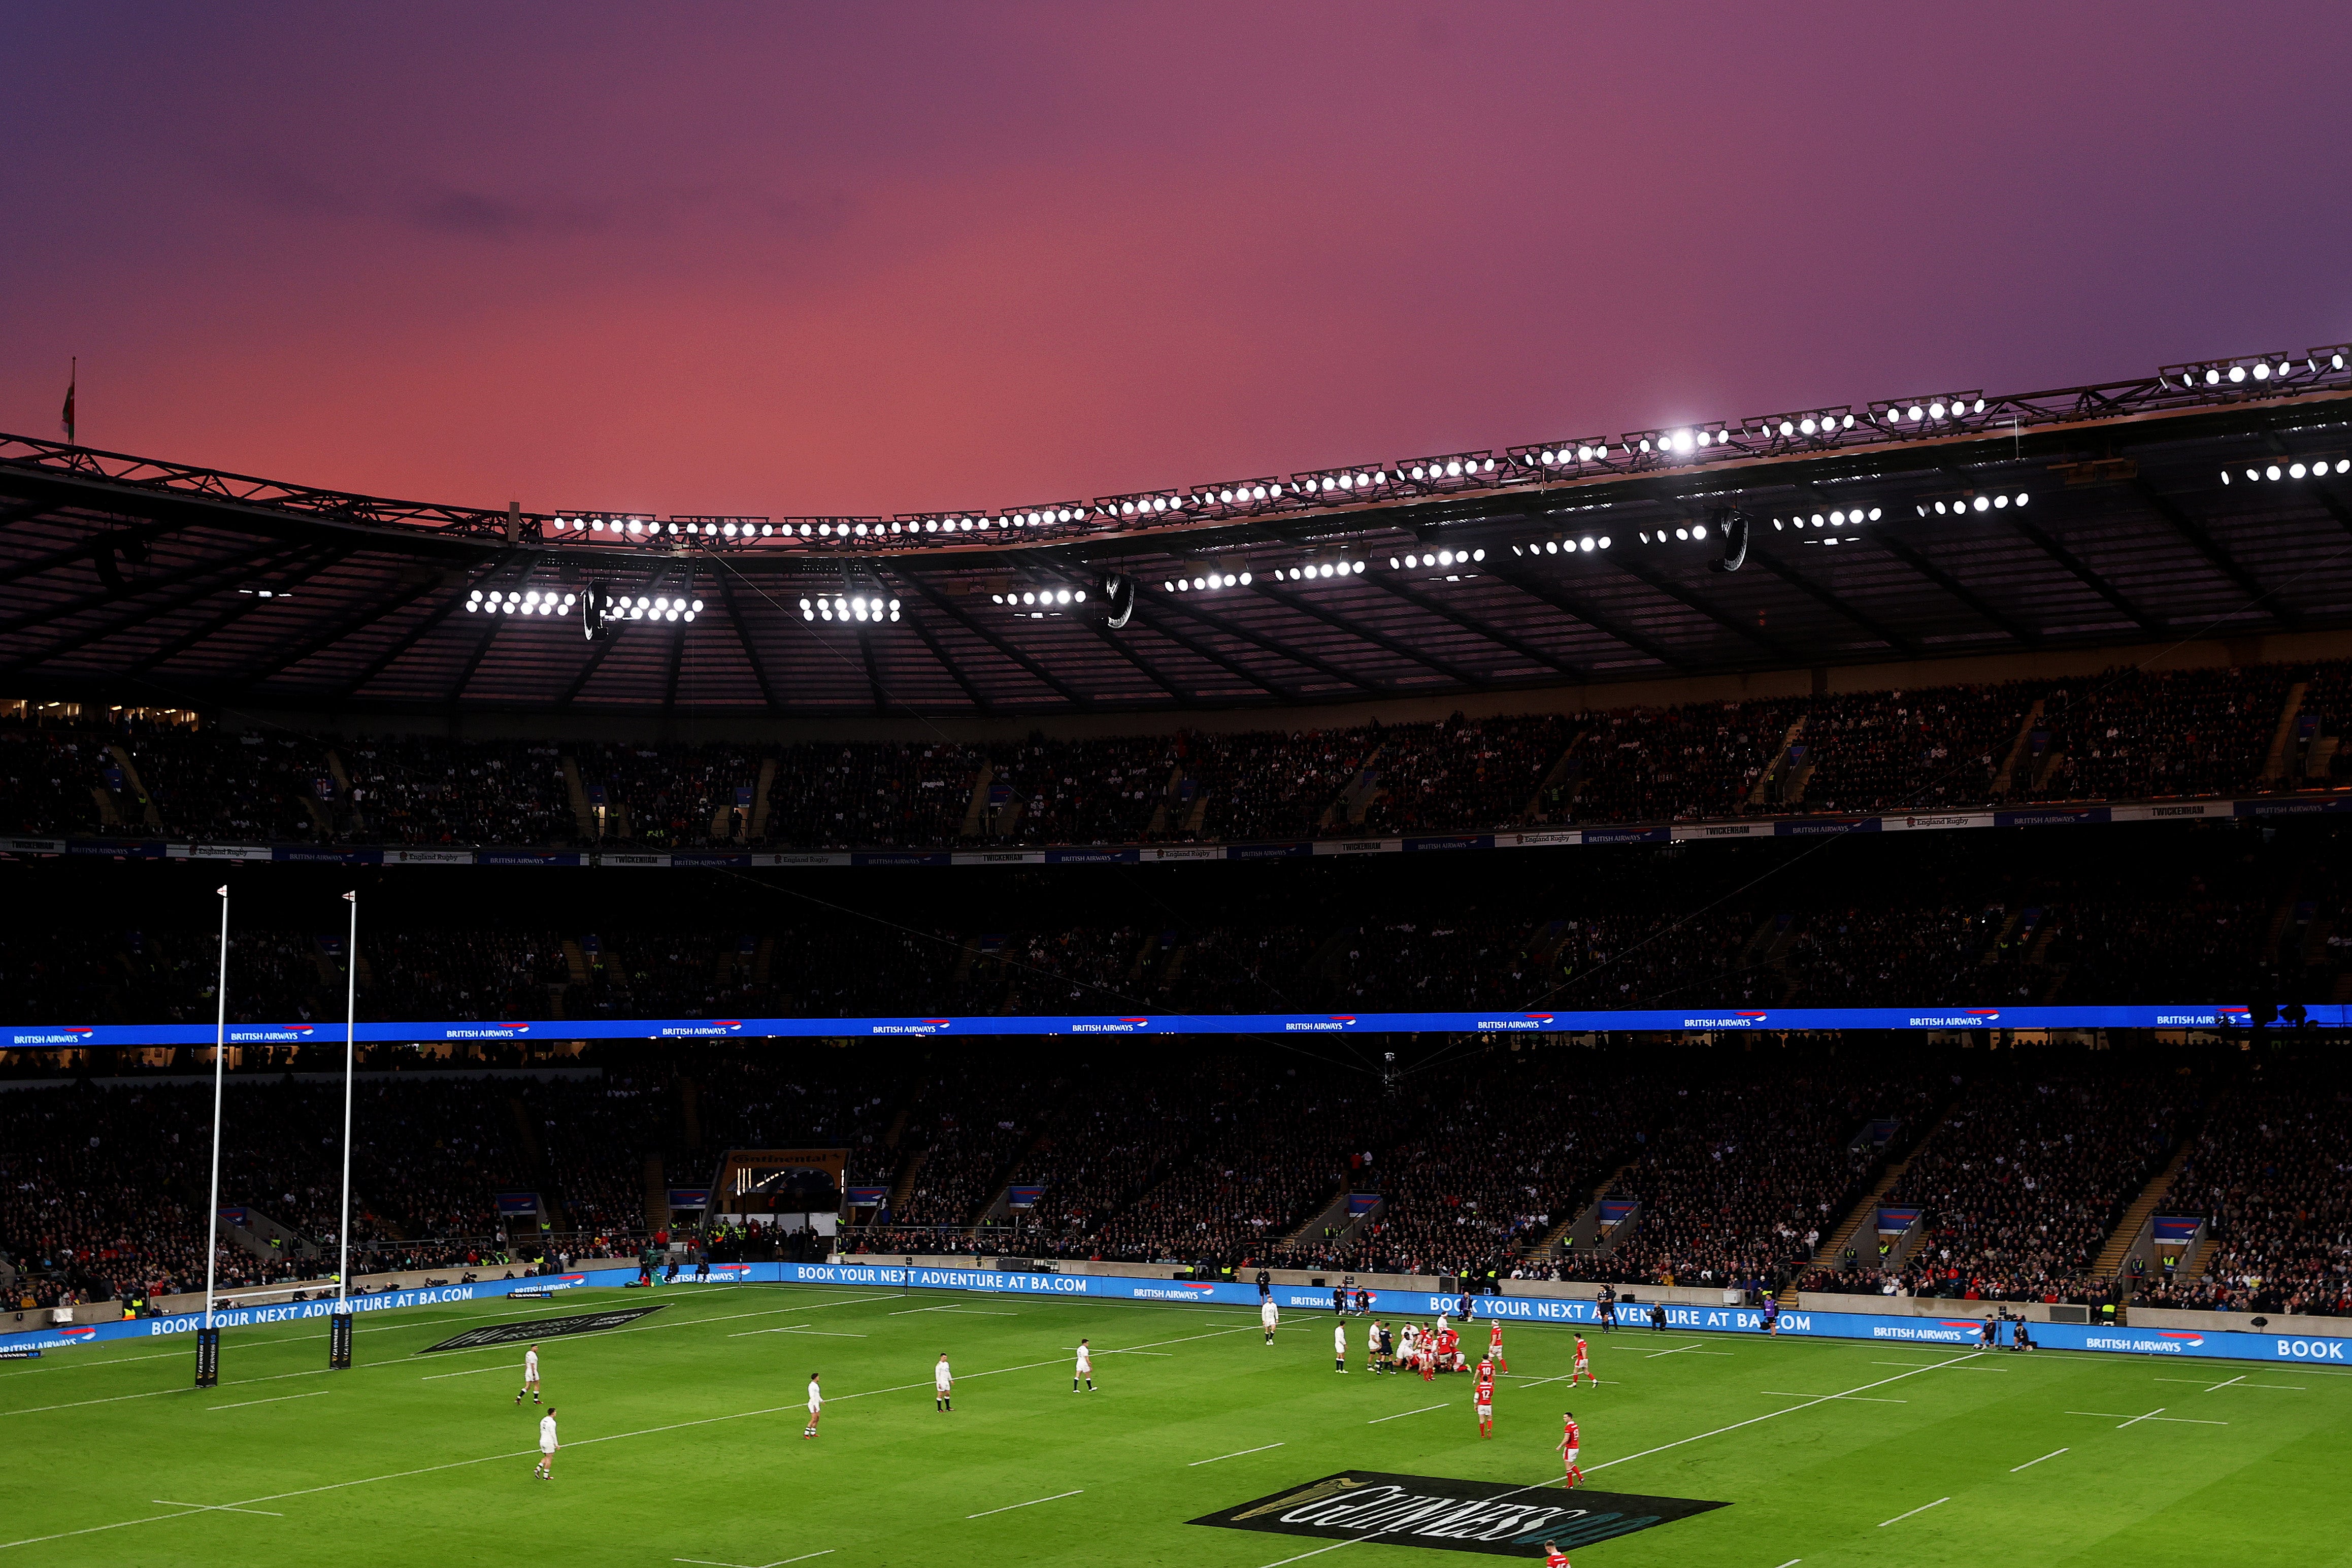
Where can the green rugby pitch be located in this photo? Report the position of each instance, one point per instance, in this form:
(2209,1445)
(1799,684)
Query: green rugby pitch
(682,1444)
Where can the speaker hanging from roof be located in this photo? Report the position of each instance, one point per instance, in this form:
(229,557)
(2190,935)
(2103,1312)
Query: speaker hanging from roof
(1732,526)
(598,613)
(1118,599)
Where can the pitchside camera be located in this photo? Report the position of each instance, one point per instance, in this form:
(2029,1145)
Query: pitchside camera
(1118,599)
(1732,527)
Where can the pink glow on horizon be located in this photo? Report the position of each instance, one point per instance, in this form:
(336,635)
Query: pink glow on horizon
(890,258)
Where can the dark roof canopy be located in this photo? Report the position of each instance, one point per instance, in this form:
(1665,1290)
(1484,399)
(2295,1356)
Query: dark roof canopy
(132,580)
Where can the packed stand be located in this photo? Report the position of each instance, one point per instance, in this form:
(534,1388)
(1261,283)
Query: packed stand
(2028,1173)
(1271,1151)
(1739,1178)
(2271,1175)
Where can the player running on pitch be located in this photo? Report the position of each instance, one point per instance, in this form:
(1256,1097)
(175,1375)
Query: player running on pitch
(545,1470)
(1267,1315)
(530,1377)
(942,1385)
(1583,1364)
(1571,1445)
(1084,1370)
(1485,1398)
(816,1406)
(1494,1345)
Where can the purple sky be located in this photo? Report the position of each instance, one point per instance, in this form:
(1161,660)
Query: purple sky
(874,258)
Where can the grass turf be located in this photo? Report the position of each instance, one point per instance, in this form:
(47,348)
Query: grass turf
(682,1443)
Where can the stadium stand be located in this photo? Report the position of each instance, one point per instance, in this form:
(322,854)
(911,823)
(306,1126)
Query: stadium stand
(2028,1173)
(2124,735)
(2268,1175)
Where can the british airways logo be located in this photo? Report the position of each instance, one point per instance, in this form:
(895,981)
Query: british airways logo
(2184,1338)
(88,1332)
(1988,1014)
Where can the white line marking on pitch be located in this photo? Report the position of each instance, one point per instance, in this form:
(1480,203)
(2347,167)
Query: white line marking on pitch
(470,1372)
(796,1328)
(1921,1365)
(151,1392)
(2031,1463)
(779,1563)
(1784,1394)
(2239,1382)
(2155,1414)
(214,1507)
(1402,1414)
(1921,1509)
(1033,1503)
(1236,1454)
(280,1399)
(1791,1562)
(1694,1438)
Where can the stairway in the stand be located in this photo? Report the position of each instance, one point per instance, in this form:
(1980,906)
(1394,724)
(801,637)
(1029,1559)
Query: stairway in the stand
(1863,1212)
(2111,1257)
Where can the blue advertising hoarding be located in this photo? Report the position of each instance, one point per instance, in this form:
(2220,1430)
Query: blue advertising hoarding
(1953,1333)
(2141,1015)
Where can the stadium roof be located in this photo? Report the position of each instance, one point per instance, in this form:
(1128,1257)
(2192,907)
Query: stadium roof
(1887,530)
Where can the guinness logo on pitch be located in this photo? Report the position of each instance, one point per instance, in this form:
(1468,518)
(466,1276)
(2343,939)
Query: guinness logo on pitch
(1497,1517)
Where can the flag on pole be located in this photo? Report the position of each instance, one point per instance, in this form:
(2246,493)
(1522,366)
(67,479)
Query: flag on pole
(72,377)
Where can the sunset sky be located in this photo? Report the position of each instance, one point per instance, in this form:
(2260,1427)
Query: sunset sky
(870,258)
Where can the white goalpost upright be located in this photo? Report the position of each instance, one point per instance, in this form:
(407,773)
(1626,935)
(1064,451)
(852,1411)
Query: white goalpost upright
(338,1338)
(208,1338)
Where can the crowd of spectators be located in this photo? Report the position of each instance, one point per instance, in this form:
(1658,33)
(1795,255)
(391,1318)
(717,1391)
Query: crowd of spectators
(970,1121)
(2271,1175)
(2139,734)
(2109,925)
(1270,1150)
(2125,735)
(2027,1175)
(1738,1179)
(1740,1163)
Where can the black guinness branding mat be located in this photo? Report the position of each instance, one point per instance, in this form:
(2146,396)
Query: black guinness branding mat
(542,1328)
(1503,1518)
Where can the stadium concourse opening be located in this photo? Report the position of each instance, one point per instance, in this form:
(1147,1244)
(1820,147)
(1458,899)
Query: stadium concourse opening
(1845,906)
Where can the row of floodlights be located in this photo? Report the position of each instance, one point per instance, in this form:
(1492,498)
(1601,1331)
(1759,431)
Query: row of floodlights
(1839,517)
(518,602)
(1965,505)
(2318,470)
(2260,371)
(1049,598)
(1568,547)
(531,602)
(854,608)
(1440,558)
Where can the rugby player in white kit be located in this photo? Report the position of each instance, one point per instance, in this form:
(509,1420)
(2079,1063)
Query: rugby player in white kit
(942,1385)
(816,1406)
(529,1376)
(545,1469)
(1084,1370)
(1269,1317)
